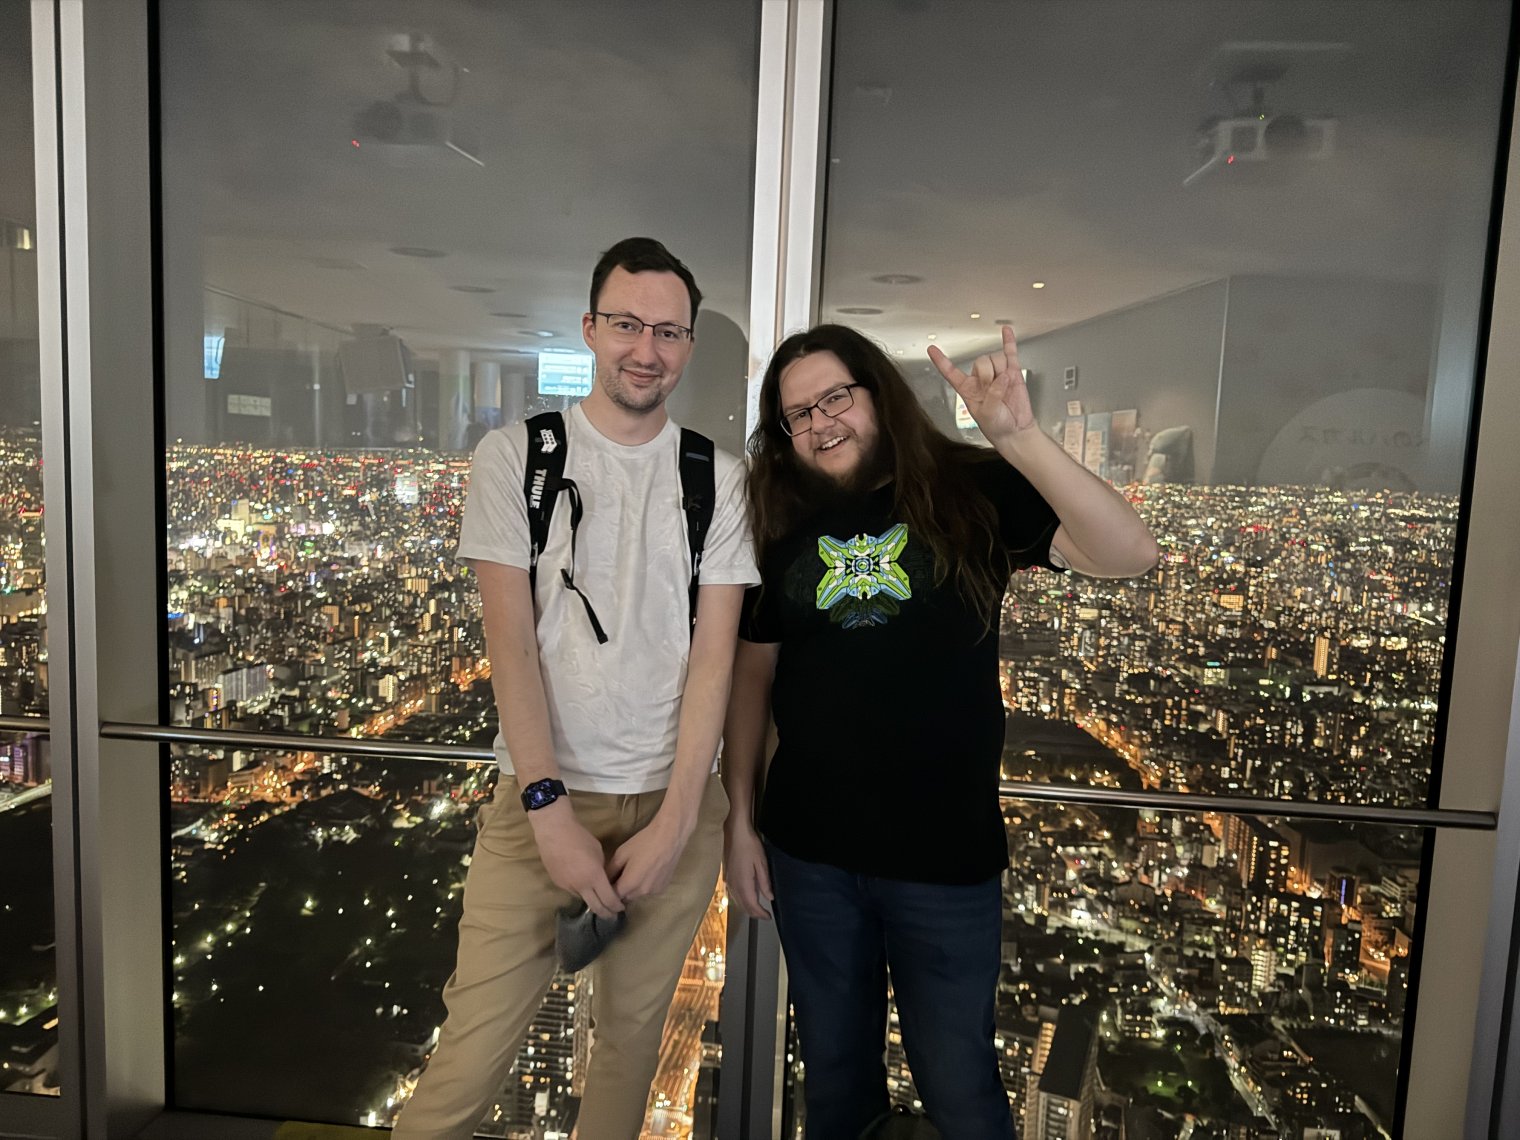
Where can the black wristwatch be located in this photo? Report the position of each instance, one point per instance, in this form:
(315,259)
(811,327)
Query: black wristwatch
(542,793)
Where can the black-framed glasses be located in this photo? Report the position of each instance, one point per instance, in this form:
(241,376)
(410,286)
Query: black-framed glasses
(626,326)
(832,404)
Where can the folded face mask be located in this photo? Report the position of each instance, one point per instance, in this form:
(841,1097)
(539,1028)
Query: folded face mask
(581,934)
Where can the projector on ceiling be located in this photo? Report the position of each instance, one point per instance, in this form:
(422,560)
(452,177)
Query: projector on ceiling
(1262,138)
(411,133)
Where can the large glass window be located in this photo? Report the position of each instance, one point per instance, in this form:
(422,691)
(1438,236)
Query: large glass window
(23,656)
(1171,974)
(1243,248)
(28,964)
(313,901)
(379,226)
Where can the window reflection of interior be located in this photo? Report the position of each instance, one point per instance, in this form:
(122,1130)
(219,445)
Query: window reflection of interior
(384,259)
(1205,261)
(1337,610)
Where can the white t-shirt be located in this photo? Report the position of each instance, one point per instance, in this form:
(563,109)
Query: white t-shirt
(614,708)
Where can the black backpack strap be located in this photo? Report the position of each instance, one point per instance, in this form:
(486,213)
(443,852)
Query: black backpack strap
(543,474)
(543,480)
(698,491)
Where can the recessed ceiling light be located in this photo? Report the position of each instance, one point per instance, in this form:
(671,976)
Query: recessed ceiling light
(545,333)
(931,336)
(417,251)
(901,351)
(472,288)
(858,310)
(976,316)
(1039,284)
(897,279)
(510,316)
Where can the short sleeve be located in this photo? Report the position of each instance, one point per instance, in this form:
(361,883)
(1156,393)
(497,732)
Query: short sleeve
(495,523)
(728,556)
(760,620)
(1026,522)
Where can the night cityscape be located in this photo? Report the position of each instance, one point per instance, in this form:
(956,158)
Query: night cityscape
(1165,975)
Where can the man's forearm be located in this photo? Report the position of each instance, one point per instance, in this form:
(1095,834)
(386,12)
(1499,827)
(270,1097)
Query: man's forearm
(1097,519)
(744,729)
(704,701)
(517,680)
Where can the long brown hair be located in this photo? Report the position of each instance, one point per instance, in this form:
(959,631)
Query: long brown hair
(932,492)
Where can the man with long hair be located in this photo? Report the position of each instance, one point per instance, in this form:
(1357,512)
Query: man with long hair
(884,550)
(609,728)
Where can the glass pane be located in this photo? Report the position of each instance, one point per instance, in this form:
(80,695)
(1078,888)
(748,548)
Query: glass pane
(1195,976)
(28,961)
(314,901)
(1242,246)
(380,221)
(23,655)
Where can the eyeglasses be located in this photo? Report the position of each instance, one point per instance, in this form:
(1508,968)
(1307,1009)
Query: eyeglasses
(833,404)
(625,326)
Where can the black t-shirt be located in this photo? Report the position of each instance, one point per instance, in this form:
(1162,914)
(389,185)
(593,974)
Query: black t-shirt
(886,698)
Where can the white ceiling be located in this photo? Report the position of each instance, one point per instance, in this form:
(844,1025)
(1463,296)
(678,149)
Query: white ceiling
(980,145)
(17,188)
(596,121)
(987,146)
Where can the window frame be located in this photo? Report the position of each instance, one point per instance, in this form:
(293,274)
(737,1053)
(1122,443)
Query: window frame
(101,282)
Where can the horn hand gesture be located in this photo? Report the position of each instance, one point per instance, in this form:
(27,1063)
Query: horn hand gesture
(994,392)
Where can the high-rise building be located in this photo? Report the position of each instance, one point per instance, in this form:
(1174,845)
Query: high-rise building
(1322,644)
(1063,1088)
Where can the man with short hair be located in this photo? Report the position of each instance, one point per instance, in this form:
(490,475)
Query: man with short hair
(611,703)
(884,551)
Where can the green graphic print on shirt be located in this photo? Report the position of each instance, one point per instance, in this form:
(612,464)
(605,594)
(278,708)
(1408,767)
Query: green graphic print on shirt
(862,580)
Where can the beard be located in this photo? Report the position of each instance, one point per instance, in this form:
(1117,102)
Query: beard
(874,469)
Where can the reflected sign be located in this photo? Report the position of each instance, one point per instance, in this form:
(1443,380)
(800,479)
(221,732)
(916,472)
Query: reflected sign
(562,373)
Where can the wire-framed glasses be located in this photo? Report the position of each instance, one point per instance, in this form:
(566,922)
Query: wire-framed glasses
(625,326)
(832,404)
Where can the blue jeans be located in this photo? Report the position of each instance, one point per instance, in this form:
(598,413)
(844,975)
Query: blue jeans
(841,934)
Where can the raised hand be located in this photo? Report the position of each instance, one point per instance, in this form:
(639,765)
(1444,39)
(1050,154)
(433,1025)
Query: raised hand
(994,392)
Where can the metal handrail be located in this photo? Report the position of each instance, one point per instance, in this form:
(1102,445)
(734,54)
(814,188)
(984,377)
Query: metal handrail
(1460,818)
(348,745)
(38,724)
(1253,805)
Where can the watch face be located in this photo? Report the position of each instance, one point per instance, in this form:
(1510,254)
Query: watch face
(538,796)
(542,793)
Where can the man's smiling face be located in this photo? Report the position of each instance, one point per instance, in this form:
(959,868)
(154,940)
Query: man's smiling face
(639,372)
(843,448)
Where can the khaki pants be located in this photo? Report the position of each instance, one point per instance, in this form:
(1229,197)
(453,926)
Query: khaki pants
(506,960)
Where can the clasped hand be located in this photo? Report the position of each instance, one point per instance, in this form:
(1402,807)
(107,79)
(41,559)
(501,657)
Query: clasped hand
(575,861)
